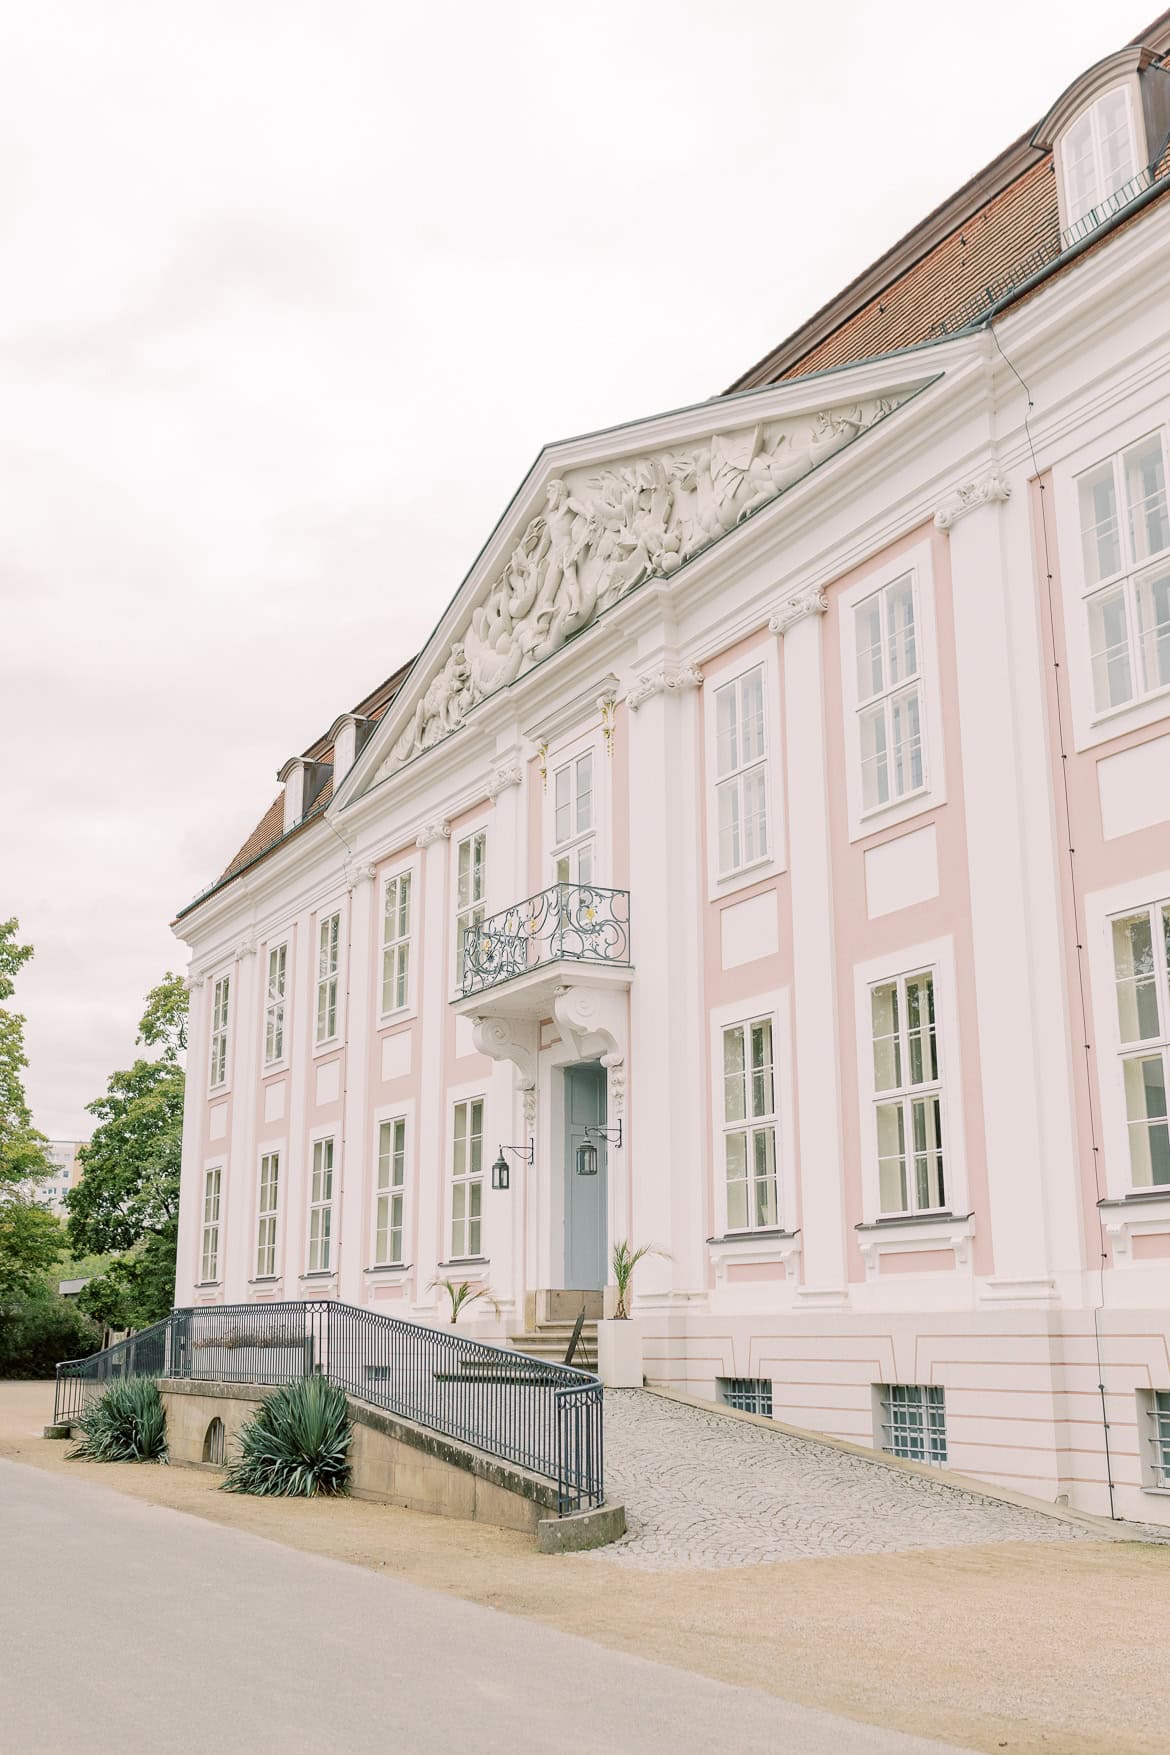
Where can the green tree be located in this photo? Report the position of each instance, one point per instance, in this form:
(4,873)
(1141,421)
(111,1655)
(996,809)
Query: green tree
(31,1241)
(23,1157)
(128,1199)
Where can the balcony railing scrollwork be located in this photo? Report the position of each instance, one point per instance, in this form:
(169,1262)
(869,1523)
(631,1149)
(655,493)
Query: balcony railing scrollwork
(580,923)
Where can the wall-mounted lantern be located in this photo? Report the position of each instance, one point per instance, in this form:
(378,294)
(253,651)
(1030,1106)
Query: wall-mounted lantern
(501,1175)
(587,1151)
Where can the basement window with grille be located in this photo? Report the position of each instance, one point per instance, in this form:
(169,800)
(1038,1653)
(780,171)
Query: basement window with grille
(748,1395)
(914,1421)
(1157,1411)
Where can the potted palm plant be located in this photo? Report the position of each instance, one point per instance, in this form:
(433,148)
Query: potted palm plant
(619,1338)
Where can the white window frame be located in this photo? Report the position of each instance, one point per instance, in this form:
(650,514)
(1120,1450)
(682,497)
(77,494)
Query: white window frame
(268,1217)
(399,1116)
(393,874)
(893,692)
(327,912)
(1126,578)
(749,1125)
(319,1137)
(1153,1417)
(220,1032)
(278,1007)
(905,1093)
(775,1005)
(894,1409)
(1091,115)
(1090,726)
(917,562)
(458,918)
(1101,908)
(718,672)
(937,956)
(211,1222)
(468,1095)
(567,756)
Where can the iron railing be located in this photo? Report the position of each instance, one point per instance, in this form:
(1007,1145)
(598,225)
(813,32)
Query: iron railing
(580,922)
(544,1417)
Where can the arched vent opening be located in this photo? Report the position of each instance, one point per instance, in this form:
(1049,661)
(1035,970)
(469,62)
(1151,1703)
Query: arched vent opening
(213,1444)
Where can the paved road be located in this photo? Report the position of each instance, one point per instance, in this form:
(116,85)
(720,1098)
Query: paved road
(132,1628)
(704,1490)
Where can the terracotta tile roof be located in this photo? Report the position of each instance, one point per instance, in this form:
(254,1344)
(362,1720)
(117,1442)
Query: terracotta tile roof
(269,831)
(980,245)
(1018,227)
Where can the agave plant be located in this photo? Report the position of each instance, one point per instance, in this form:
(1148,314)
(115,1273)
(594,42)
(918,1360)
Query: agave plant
(127,1423)
(461,1293)
(624,1261)
(297,1444)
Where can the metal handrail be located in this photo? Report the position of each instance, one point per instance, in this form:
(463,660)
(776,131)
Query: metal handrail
(583,923)
(543,1417)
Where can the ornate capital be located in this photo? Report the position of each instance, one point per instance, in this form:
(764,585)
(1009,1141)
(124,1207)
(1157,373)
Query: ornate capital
(510,774)
(663,682)
(973,494)
(810,601)
(194,981)
(246,948)
(432,832)
(363,874)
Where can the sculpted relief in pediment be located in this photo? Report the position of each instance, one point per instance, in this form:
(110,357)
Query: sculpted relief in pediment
(604,531)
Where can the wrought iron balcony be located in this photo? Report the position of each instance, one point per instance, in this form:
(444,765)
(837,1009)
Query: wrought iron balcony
(579,923)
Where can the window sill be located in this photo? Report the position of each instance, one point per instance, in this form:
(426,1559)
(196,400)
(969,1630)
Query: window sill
(915,1233)
(394,1020)
(321,1274)
(333,1046)
(390,1267)
(1157,1492)
(208,1285)
(273,1069)
(1137,1197)
(769,1246)
(732,1237)
(1142,1213)
(264,1280)
(466,1261)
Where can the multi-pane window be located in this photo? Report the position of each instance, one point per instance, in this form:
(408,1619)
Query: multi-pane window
(470,883)
(1125,541)
(1159,1415)
(328,963)
(396,943)
(1141,967)
(467,1180)
(1099,155)
(889,695)
(274,1004)
(907,1095)
(391,1184)
(321,1208)
(209,1254)
(741,772)
(266,1215)
(749,1126)
(573,821)
(220,1001)
(914,1421)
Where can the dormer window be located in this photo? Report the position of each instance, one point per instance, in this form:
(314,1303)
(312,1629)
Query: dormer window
(1098,154)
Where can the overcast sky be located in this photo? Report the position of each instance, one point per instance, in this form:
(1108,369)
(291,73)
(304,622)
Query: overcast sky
(291,294)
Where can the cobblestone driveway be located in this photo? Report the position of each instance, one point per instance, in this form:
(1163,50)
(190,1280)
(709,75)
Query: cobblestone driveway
(704,1490)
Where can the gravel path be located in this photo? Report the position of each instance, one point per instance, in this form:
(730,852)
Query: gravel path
(702,1489)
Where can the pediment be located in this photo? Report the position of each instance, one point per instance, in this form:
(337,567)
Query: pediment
(587,530)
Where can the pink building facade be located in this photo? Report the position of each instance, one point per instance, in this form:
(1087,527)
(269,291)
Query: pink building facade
(787,791)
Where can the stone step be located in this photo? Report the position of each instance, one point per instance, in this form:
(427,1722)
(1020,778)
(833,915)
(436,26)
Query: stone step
(551,1341)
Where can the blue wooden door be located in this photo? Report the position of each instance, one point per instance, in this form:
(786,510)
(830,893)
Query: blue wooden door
(585,1195)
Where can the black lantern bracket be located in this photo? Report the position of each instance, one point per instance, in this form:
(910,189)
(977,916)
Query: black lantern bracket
(501,1175)
(612,1134)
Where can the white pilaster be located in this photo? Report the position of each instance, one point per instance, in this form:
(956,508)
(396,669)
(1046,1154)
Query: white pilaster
(989,559)
(238,1199)
(665,1075)
(356,1145)
(431,1168)
(194,1125)
(814,980)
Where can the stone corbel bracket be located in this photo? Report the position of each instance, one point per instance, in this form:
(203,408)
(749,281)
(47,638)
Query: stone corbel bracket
(663,682)
(985,491)
(593,1020)
(514,1039)
(509,774)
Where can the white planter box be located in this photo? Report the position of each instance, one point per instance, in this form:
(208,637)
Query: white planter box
(619,1354)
